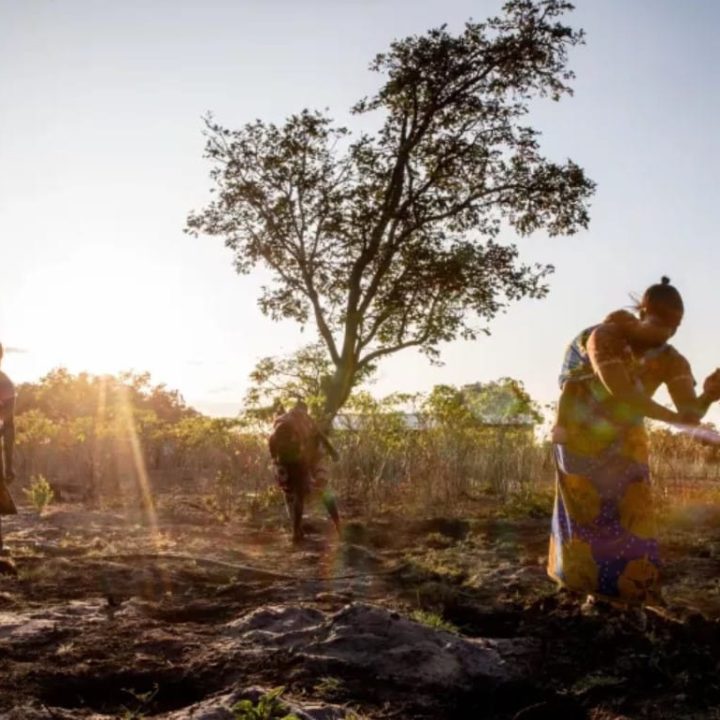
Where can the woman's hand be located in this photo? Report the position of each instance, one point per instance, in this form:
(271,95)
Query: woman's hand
(711,386)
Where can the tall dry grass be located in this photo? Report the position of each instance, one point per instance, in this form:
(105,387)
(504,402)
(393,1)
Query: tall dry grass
(433,467)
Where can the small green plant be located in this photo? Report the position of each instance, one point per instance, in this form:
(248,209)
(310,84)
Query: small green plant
(143,700)
(40,494)
(260,502)
(65,648)
(433,620)
(328,686)
(596,680)
(268,707)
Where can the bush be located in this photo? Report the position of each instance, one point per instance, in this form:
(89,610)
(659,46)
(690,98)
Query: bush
(433,620)
(268,707)
(40,494)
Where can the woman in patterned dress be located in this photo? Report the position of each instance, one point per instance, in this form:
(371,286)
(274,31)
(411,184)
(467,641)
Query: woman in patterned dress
(603,539)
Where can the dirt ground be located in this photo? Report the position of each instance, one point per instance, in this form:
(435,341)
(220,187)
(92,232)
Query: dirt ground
(110,612)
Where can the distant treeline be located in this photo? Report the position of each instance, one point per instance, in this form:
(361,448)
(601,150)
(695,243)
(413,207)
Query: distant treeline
(107,438)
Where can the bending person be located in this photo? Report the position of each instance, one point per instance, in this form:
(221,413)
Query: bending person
(603,539)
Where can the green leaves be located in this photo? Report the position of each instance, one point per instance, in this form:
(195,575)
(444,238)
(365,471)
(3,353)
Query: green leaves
(268,707)
(300,375)
(500,402)
(40,494)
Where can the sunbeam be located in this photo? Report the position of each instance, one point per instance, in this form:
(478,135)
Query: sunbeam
(140,474)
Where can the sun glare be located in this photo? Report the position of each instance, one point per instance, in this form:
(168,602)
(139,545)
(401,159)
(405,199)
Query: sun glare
(92,312)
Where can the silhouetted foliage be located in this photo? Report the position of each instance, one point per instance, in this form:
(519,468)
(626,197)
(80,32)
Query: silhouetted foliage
(282,380)
(390,241)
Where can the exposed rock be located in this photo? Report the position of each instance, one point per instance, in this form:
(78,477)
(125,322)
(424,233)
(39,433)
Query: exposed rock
(359,643)
(367,640)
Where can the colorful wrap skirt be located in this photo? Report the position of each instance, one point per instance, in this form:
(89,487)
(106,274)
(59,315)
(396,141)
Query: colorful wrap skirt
(603,539)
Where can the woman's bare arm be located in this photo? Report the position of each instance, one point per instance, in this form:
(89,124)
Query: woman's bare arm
(681,386)
(606,348)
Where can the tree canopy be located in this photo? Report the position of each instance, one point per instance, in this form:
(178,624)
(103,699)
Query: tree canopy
(283,380)
(61,395)
(391,240)
(499,402)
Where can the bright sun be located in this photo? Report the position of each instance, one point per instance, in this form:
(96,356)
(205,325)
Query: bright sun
(93,311)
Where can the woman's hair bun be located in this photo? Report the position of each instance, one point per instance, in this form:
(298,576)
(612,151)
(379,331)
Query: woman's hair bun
(662,297)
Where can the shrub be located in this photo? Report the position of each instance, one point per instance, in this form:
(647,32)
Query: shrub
(40,494)
(433,620)
(268,707)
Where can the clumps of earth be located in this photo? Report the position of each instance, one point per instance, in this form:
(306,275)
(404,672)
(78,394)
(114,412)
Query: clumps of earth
(107,617)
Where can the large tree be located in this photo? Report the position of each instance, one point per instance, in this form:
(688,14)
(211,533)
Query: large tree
(390,240)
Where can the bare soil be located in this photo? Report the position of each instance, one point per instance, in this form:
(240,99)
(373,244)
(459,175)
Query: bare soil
(114,615)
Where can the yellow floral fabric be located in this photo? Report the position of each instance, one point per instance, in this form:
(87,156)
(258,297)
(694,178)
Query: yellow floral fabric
(582,500)
(636,510)
(579,567)
(638,580)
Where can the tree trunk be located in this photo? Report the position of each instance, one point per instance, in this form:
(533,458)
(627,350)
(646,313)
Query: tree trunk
(337,391)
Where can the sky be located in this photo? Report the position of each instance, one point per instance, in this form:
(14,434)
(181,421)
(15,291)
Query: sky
(101,161)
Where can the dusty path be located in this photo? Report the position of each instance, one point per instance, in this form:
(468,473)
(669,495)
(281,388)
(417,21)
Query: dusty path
(109,615)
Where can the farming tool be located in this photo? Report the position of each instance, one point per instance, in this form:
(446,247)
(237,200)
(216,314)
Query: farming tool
(698,432)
